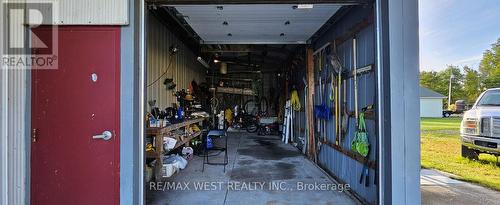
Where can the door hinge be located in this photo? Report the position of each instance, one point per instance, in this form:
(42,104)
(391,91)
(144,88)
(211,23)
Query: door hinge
(34,135)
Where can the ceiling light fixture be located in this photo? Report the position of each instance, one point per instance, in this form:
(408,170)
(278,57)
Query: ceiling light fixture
(173,49)
(203,62)
(216,61)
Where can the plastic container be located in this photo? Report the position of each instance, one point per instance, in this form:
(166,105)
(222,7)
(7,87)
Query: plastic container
(268,120)
(168,170)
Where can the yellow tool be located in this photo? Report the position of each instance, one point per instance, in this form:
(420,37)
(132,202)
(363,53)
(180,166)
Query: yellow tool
(294,100)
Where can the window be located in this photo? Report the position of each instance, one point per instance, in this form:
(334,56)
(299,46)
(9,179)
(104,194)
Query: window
(490,98)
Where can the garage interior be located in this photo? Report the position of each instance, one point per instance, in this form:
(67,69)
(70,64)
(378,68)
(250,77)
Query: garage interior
(241,73)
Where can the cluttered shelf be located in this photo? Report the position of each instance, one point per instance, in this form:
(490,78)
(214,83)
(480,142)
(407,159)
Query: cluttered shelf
(151,131)
(162,138)
(152,154)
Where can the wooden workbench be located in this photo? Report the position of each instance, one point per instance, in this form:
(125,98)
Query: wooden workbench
(159,132)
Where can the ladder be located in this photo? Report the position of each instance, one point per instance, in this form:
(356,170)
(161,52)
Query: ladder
(287,133)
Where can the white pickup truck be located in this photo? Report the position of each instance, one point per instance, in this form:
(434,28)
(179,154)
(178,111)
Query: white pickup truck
(480,128)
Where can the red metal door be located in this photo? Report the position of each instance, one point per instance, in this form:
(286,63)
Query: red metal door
(70,105)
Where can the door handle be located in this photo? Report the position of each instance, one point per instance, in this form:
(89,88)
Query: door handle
(106,135)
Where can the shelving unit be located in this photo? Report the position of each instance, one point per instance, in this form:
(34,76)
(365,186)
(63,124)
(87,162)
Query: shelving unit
(159,132)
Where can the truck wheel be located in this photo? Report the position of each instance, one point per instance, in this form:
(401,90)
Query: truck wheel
(469,153)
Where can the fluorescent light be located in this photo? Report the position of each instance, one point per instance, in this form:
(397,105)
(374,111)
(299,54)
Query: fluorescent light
(203,62)
(216,61)
(305,6)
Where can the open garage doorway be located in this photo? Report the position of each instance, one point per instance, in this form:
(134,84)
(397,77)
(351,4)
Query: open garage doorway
(260,103)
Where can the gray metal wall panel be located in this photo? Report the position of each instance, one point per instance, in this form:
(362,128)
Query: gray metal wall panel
(344,167)
(16,137)
(130,117)
(3,126)
(15,114)
(92,12)
(4,186)
(87,12)
(184,67)
(404,99)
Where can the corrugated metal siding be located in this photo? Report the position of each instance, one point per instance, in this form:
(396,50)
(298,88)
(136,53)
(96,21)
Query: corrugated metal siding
(16,139)
(344,167)
(299,121)
(15,150)
(4,186)
(87,12)
(92,12)
(184,67)
(3,125)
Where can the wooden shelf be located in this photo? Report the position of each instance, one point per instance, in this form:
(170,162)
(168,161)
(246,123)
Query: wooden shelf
(159,130)
(157,133)
(152,155)
(186,140)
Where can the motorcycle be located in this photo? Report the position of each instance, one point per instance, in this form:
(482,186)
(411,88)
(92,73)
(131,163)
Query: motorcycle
(264,125)
(268,129)
(242,120)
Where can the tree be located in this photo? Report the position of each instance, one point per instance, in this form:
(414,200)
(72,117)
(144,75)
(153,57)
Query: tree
(439,82)
(489,67)
(457,83)
(428,79)
(472,84)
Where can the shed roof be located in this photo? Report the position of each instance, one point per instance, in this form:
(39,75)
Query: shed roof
(428,93)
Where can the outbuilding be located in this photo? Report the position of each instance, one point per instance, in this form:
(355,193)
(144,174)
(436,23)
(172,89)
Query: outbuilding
(431,103)
(131,91)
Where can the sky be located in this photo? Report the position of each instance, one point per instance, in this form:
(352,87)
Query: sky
(456,32)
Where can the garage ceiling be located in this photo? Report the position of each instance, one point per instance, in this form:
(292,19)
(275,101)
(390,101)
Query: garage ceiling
(256,24)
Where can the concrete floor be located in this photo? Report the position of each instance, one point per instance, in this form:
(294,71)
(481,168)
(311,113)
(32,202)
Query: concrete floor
(255,162)
(439,189)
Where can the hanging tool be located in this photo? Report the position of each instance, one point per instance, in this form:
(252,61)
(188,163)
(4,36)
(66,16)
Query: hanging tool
(338,124)
(345,114)
(324,98)
(336,68)
(326,108)
(365,172)
(306,130)
(355,65)
(318,109)
(295,101)
(334,91)
(361,144)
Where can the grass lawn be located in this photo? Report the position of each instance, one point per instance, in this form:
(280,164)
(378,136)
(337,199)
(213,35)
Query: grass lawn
(441,149)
